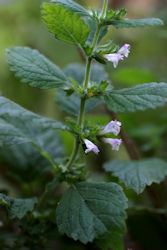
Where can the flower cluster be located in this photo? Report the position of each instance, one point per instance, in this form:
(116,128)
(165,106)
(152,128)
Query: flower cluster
(112,127)
(116,57)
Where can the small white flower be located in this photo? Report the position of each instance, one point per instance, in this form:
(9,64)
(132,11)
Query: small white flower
(1,224)
(114,58)
(125,50)
(90,147)
(115,143)
(112,127)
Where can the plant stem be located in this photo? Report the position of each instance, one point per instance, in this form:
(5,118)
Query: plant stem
(81,116)
(85,85)
(104,8)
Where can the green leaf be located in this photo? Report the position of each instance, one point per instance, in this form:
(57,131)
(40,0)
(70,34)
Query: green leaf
(71,104)
(35,69)
(140,97)
(89,210)
(137,174)
(18,125)
(65,25)
(136,23)
(72,6)
(26,163)
(17,208)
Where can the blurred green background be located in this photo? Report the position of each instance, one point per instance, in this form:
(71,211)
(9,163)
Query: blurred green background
(21,25)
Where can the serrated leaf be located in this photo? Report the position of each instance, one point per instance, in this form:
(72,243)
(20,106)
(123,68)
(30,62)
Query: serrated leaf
(65,25)
(137,174)
(140,97)
(136,23)
(71,104)
(18,125)
(89,210)
(18,208)
(72,6)
(35,69)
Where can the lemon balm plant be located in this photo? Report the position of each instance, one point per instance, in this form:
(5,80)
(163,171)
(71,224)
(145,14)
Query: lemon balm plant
(87,210)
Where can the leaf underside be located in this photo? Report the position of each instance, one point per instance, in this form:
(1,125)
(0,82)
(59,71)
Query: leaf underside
(136,23)
(72,6)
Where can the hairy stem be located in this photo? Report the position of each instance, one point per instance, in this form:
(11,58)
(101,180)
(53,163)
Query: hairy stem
(85,85)
(104,8)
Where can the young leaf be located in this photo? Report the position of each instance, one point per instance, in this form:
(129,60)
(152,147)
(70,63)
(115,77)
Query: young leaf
(17,208)
(98,208)
(135,23)
(35,69)
(72,6)
(137,174)
(140,97)
(65,25)
(18,125)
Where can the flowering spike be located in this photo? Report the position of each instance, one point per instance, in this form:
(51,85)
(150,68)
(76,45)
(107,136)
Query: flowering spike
(125,50)
(114,58)
(112,127)
(90,147)
(115,143)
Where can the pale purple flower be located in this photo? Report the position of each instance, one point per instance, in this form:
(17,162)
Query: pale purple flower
(115,143)
(114,58)
(112,127)
(90,147)
(124,50)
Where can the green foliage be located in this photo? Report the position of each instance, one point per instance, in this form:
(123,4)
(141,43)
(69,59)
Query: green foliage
(72,6)
(71,104)
(114,15)
(17,208)
(19,125)
(137,174)
(31,152)
(140,97)
(98,209)
(35,69)
(136,23)
(26,163)
(65,25)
